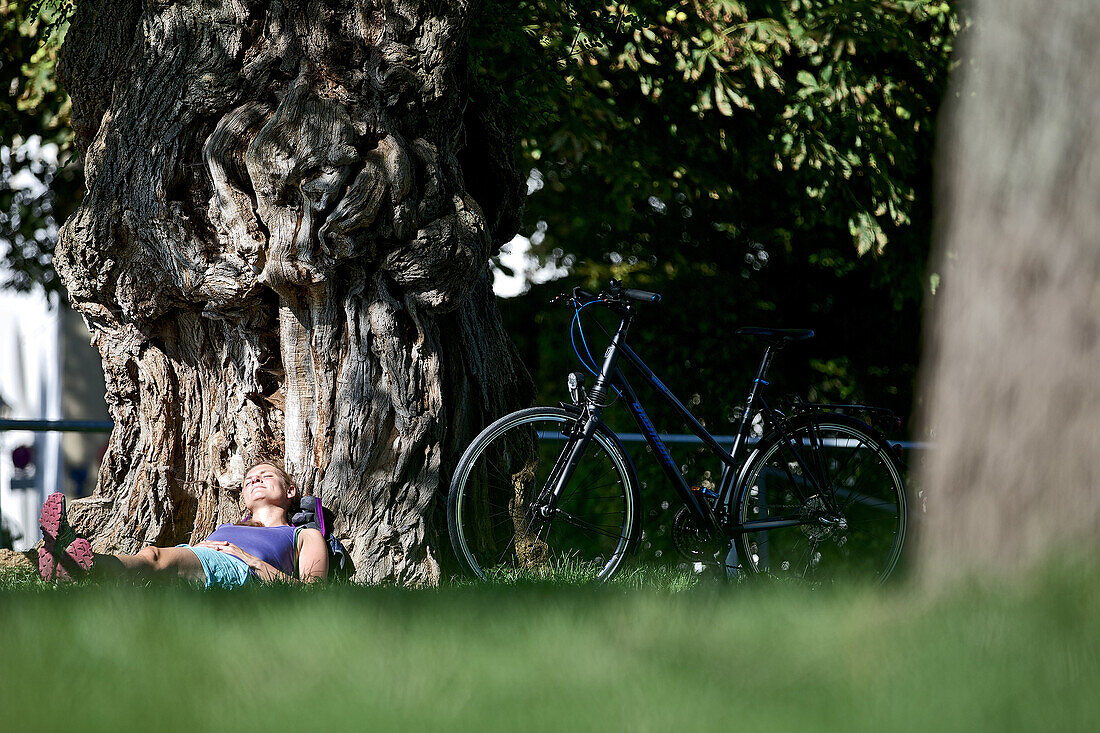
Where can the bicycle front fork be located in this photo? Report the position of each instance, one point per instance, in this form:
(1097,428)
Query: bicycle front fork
(577,442)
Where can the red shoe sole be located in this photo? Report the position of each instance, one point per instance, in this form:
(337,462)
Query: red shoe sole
(60,563)
(53,513)
(76,560)
(46,564)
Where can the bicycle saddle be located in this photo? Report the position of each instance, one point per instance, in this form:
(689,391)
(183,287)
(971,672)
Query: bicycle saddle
(777,336)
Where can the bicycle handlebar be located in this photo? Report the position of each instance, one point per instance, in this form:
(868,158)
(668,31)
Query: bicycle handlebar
(615,294)
(642,295)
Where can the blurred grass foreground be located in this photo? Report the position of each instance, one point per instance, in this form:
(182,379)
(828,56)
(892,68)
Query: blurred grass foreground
(650,652)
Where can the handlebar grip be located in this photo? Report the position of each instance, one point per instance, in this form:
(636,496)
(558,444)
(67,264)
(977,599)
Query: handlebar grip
(643,295)
(582,293)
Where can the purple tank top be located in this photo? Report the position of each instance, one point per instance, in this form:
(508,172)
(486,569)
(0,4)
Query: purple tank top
(274,545)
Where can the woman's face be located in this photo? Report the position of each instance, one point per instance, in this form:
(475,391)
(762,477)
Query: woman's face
(264,484)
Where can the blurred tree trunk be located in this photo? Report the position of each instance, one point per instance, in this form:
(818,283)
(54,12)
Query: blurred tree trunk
(1011,373)
(283,251)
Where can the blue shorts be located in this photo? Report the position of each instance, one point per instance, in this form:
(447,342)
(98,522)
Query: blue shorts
(222,570)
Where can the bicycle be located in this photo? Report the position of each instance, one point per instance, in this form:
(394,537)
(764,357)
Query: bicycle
(819,497)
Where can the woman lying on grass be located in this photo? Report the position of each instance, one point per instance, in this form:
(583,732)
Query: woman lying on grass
(264,548)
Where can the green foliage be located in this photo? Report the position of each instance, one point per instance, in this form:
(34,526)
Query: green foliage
(765,163)
(37,187)
(820,101)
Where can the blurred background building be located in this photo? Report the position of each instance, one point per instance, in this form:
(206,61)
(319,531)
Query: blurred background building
(48,371)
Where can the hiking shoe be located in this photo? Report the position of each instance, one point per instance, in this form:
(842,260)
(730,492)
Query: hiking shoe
(63,555)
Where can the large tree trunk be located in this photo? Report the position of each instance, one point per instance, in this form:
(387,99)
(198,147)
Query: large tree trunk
(1011,369)
(283,250)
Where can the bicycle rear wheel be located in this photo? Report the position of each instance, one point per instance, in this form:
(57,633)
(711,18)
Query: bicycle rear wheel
(838,494)
(495,533)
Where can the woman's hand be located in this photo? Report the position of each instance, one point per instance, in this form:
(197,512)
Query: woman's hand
(230,549)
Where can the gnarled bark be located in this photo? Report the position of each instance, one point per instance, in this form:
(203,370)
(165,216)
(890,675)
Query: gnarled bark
(279,253)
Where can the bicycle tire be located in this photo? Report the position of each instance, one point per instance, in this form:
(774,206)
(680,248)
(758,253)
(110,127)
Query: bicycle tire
(861,477)
(596,524)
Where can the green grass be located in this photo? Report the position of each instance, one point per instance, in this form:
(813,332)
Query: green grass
(655,650)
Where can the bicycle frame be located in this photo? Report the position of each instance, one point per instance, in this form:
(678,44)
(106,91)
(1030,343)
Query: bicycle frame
(610,376)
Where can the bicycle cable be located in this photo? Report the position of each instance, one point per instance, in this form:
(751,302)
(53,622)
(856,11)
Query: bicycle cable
(579,327)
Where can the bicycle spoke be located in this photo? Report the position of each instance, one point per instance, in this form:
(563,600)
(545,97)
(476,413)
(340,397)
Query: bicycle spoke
(804,561)
(587,493)
(578,522)
(511,543)
(817,454)
(577,484)
(806,480)
(851,454)
(864,500)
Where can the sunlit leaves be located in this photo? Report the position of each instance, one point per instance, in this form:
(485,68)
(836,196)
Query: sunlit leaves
(36,190)
(700,98)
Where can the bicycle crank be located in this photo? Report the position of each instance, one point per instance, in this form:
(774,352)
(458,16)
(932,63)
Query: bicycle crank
(691,540)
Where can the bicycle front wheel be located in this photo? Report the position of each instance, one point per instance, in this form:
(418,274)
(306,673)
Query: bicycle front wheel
(495,531)
(822,501)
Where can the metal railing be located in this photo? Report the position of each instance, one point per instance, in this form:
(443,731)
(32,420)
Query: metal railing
(23,516)
(726,439)
(57,426)
(104,426)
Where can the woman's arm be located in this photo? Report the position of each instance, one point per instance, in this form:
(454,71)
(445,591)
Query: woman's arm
(312,556)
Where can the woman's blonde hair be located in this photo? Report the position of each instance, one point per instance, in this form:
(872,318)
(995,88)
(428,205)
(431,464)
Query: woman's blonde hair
(279,471)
